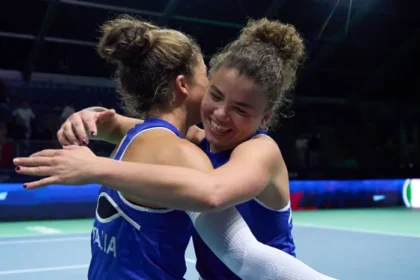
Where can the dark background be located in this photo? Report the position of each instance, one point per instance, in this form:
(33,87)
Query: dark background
(355,104)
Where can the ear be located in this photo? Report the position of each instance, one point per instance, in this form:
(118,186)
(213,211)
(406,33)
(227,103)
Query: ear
(181,86)
(265,119)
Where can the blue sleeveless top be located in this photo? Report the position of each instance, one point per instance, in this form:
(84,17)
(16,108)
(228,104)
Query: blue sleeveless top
(270,226)
(133,242)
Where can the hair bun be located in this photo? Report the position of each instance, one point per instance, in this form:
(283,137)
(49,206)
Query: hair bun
(126,40)
(283,37)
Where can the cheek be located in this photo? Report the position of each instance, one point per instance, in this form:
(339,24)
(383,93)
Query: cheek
(206,106)
(203,89)
(245,124)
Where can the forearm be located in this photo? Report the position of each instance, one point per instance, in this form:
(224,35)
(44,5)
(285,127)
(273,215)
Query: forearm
(114,129)
(231,240)
(169,186)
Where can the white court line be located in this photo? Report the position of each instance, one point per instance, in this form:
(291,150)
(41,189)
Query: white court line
(58,268)
(357,230)
(77,237)
(49,240)
(44,240)
(44,269)
(44,230)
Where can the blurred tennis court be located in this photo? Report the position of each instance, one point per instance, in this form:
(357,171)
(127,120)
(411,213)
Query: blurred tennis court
(347,244)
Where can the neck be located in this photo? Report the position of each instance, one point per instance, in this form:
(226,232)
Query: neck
(217,149)
(176,117)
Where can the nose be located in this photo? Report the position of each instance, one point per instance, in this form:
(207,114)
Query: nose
(221,114)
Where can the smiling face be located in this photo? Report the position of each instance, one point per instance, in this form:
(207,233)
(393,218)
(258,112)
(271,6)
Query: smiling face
(232,110)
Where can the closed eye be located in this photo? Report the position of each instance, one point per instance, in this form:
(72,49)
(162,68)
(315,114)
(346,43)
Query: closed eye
(241,111)
(215,96)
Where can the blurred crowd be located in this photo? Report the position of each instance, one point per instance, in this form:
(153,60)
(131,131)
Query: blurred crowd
(351,137)
(318,136)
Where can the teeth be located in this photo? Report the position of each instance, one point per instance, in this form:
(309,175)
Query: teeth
(218,127)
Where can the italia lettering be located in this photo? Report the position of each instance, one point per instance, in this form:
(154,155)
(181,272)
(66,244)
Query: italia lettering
(105,243)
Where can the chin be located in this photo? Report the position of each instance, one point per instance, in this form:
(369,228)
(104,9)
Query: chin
(219,143)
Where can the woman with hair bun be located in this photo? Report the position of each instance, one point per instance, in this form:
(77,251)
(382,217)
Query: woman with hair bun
(249,85)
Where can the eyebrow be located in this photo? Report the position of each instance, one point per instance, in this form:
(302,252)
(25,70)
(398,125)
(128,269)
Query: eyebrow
(242,104)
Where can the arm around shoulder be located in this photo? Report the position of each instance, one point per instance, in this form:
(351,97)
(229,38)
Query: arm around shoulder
(117,127)
(109,129)
(183,185)
(168,181)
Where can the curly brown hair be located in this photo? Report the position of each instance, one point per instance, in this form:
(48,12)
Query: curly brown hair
(269,52)
(147,58)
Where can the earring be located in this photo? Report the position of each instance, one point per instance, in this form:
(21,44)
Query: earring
(263,126)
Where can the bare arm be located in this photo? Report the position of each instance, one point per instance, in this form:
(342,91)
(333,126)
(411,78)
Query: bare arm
(112,130)
(99,123)
(177,153)
(246,174)
(94,123)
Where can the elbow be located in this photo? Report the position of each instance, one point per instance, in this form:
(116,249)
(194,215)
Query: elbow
(214,200)
(212,204)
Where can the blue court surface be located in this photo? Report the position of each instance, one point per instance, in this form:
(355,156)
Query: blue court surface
(341,252)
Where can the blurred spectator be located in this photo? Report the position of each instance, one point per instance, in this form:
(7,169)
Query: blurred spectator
(67,111)
(302,145)
(24,117)
(314,148)
(319,138)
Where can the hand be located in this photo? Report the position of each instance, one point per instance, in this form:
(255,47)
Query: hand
(73,165)
(73,131)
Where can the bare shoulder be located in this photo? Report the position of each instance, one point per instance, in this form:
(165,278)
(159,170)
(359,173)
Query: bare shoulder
(262,147)
(164,147)
(192,156)
(261,152)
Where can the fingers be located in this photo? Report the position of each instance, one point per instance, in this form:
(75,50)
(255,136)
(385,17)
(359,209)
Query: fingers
(39,171)
(32,162)
(62,138)
(81,125)
(105,115)
(80,130)
(40,183)
(99,117)
(90,123)
(68,134)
